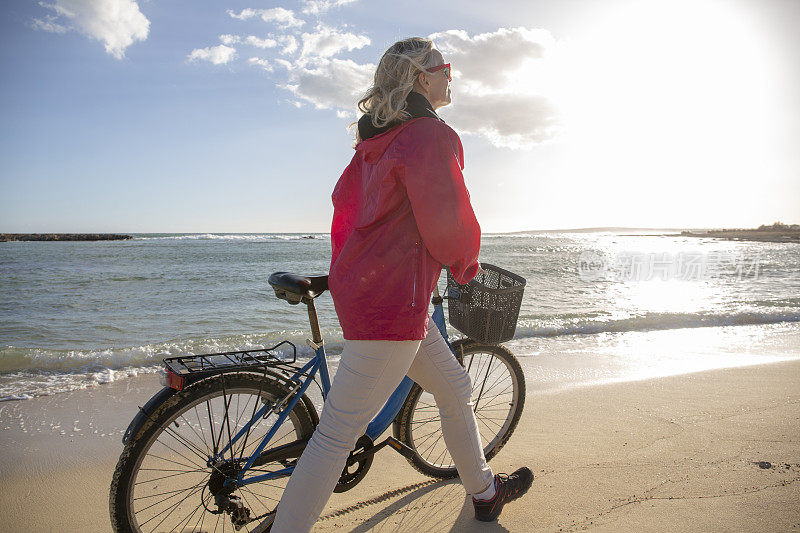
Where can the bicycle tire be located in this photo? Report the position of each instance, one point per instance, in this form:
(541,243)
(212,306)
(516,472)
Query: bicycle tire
(129,484)
(419,426)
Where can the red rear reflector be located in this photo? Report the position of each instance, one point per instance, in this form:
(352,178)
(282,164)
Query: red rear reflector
(171,380)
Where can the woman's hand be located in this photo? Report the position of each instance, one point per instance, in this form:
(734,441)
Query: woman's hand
(481,270)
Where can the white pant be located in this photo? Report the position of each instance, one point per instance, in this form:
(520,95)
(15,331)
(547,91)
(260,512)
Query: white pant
(369,372)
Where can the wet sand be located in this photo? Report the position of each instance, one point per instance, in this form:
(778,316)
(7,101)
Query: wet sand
(708,451)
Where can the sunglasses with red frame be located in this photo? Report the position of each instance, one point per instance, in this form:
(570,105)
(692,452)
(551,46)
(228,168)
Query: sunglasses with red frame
(445,67)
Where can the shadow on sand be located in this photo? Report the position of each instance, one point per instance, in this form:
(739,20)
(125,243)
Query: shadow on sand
(430,506)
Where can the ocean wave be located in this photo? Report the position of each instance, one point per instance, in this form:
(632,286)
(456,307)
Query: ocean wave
(26,385)
(14,359)
(576,325)
(31,372)
(234,237)
(25,359)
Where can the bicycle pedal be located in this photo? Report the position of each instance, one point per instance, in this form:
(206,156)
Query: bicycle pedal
(400,447)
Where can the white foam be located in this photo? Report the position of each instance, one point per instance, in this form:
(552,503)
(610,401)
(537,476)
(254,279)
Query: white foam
(31,372)
(652,321)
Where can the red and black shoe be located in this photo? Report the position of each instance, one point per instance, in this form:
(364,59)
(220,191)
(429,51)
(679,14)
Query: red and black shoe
(508,488)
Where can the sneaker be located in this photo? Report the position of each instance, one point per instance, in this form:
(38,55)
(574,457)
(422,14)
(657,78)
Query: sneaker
(508,488)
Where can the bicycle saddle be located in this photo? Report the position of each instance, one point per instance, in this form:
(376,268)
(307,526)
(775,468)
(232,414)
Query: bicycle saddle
(294,288)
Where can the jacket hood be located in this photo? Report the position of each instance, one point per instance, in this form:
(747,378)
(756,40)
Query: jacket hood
(374,147)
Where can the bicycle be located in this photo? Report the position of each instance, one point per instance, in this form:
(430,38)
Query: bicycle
(191,459)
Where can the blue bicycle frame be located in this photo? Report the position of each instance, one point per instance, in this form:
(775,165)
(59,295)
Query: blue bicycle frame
(319,363)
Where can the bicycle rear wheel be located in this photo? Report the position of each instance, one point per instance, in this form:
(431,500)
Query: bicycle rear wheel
(165,480)
(498,395)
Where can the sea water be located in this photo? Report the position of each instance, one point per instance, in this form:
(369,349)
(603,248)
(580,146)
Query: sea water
(598,306)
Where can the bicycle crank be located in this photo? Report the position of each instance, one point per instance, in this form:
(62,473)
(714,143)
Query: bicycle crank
(357,465)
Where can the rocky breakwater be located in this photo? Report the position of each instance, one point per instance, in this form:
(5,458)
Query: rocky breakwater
(775,233)
(5,237)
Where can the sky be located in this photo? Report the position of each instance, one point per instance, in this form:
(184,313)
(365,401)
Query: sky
(231,116)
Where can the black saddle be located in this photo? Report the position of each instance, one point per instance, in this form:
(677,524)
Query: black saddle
(295,288)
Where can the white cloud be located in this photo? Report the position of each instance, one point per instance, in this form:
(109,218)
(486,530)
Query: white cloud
(506,120)
(315,7)
(218,55)
(284,18)
(115,23)
(230,39)
(49,25)
(492,58)
(261,43)
(289,44)
(263,63)
(329,83)
(500,79)
(498,90)
(327,41)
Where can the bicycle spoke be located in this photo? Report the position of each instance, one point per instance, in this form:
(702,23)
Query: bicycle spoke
(173,450)
(254,424)
(171,461)
(495,384)
(434,444)
(483,385)
(163,469)
(423,437)
(222,425)
(187,444)
(503,401)
(487,425)
(273,443)
(168,476)
(195,432)
(199,525)
(421,445)
(227,418)
(166,492)
(440,458)
(257,498)
(425,420)
(188,517)
(236,429)
(174,508)
(197,415)
(211,426)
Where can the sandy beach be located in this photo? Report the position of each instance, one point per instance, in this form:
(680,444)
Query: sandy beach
(709,451)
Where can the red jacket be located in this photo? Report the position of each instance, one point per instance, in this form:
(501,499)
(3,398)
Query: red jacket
(401,211)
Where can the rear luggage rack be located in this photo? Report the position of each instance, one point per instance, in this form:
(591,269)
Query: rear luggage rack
(194,367)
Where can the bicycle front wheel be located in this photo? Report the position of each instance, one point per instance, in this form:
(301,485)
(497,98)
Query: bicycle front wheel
(498,396)
(167,478)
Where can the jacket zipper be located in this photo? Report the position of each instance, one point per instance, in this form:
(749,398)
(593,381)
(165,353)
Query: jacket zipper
(416,255)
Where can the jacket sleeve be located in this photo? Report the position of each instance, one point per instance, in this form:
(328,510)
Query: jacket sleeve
(439,198)
(345,199)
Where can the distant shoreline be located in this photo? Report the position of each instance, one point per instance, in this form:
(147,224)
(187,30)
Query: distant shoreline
(734,235)
(767,235)
(8,237)
(774,233)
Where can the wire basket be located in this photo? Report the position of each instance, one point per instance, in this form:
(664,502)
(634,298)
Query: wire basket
(487,307)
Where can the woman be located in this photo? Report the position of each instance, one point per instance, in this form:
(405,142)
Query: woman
(401,211)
